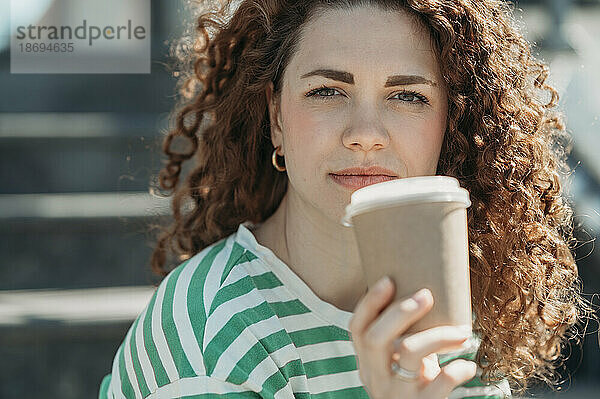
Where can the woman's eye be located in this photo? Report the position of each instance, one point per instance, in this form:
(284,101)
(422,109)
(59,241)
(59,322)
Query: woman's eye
(321,92)
(412,97)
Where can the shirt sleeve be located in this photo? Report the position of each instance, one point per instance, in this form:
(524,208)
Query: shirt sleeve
(163,353)
(103,393)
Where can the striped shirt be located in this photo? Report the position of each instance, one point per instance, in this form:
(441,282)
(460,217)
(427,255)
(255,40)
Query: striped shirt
(235,321)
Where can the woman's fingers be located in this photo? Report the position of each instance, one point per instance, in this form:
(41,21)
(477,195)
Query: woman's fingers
(411,349)
(367,310)
(393,321)
(399,316)
(450,376)
(370,305)
(396,319)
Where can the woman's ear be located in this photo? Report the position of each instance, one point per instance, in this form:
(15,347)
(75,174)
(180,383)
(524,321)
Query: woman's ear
(274,104)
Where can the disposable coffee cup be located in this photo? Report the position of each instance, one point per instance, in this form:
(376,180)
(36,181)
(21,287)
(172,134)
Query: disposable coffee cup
(415,231)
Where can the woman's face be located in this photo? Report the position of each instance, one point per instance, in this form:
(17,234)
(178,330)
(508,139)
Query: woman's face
(363,89)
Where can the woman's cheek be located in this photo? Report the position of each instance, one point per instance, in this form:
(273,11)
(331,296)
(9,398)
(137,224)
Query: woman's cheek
(428,146)
(309,130)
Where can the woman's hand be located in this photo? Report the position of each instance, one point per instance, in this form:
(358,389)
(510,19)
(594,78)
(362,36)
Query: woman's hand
(375,328)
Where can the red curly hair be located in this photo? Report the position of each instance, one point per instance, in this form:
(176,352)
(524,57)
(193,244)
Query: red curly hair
(504,143)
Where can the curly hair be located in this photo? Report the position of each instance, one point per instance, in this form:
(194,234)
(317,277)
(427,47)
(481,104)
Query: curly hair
(504,142)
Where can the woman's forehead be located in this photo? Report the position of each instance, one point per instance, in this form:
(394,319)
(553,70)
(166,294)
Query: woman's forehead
(366,26)
(365,38)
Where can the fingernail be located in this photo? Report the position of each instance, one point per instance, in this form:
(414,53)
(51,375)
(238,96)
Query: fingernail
(382,283)
(421,296)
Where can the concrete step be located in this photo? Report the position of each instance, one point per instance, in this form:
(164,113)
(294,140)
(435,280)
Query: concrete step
(27,315)
(60,343)
(78,240)
(79,152)
(82,205)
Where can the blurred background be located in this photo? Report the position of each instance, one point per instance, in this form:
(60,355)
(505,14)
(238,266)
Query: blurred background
(78,153)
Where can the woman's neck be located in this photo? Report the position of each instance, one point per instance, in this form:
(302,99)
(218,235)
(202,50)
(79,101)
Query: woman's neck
(321,252)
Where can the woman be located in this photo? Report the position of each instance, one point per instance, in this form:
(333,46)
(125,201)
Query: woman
(270,300)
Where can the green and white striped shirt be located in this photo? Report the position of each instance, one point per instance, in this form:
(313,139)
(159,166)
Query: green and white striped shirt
(235,321)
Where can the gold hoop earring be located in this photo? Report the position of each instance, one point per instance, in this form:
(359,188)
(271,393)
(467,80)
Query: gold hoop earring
(274,161)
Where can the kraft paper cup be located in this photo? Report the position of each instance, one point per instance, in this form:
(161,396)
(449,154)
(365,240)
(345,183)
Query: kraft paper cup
(415,231)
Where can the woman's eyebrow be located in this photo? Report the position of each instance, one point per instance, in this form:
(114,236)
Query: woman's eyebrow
(347,77)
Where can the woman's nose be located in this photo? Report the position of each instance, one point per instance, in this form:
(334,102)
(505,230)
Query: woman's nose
(365,133)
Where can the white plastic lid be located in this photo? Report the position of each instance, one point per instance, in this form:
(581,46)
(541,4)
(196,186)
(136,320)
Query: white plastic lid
(405,190)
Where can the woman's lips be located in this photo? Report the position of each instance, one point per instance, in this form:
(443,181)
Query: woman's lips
(355,182)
